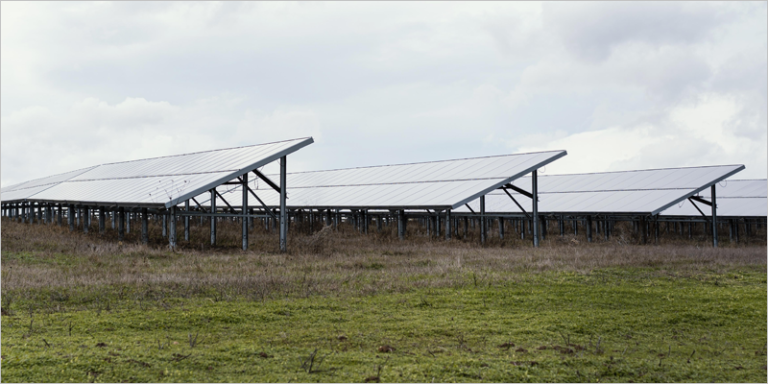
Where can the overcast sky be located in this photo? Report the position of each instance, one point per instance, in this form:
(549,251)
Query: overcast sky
(618,85)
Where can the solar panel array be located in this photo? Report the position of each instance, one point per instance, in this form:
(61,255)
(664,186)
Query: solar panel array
(735,198)
(436,184)
(160,181)
(646,191)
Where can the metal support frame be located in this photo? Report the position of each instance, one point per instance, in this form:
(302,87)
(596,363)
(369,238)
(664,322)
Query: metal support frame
(501,228)
(589,228)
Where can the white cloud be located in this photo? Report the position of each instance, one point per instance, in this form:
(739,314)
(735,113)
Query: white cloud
(86,83)
(695,134)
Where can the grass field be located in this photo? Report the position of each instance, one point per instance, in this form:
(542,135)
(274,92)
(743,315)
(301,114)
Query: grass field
(346,307)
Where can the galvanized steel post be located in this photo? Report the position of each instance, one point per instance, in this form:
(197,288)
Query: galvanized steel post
(245,212)
(172,230)
(128,222)
(165,224)
(448,224)
(213,217)
(120,223)
(86,216)
(714,216)
(102,222)
(501,228)
(483,223)
(71,217)
(535,205)
(144,226)
(283,210)
(186,220)
(589,229)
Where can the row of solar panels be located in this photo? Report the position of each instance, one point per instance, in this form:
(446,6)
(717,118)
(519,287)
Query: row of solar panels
(450,184)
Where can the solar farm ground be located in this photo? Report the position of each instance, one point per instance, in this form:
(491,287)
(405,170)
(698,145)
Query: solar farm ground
(346,307)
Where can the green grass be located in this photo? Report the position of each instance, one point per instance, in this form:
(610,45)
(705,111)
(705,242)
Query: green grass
(607,324)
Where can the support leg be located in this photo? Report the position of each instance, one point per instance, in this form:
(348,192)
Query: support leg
(102,220)
(212,217)
(144,226)
(283,211)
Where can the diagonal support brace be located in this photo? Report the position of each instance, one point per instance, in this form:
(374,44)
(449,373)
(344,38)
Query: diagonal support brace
(516,203)
(225,201)
(267,180)
(518,190)
(262,204)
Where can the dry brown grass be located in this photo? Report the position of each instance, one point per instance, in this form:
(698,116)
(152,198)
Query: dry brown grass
(328,262)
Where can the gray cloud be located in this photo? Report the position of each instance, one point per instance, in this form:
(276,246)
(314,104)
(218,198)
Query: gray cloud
(592,30)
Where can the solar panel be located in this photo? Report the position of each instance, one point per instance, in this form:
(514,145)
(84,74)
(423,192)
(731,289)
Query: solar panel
(645,191)
(161,181)
(437,184)
(735,198)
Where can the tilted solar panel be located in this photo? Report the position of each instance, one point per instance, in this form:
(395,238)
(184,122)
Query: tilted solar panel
(645,191)
(161,181)
(436,184)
